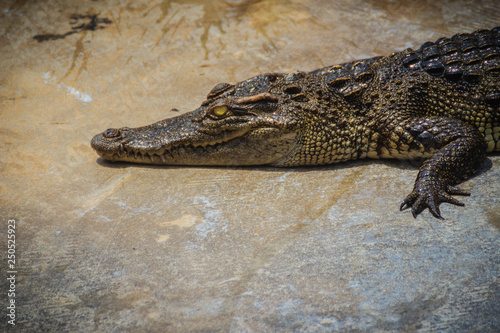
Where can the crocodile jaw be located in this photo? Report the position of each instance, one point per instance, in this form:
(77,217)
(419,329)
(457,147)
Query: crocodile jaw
(180,141)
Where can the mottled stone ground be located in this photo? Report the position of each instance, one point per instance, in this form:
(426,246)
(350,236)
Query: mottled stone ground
(121,247)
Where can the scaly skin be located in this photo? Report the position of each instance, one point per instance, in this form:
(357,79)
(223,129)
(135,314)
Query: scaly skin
(440,103)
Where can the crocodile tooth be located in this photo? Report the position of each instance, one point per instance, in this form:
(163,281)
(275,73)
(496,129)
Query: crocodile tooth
(135,155)
(121,147)
(162,156)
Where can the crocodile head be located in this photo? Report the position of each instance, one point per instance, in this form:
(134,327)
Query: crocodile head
(255,122)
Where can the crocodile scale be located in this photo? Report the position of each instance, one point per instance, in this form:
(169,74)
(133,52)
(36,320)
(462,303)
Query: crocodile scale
(439,103)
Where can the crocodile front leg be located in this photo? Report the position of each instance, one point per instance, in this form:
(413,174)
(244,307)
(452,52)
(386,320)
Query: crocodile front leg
(459,153)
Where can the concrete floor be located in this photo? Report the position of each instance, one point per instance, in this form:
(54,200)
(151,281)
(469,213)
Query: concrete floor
(129,248)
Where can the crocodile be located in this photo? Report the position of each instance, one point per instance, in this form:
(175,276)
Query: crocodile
(439,103)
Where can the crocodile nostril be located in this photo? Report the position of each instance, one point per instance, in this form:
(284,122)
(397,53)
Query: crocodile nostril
(111,133)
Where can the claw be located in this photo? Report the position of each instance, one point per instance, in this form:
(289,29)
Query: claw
(423,197)
(417,207)
(456,191)
(434,209)
(415,211)
(406,203)
(445,197)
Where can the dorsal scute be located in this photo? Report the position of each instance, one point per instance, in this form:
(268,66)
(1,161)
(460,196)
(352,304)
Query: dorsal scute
(350,78)
(460,57)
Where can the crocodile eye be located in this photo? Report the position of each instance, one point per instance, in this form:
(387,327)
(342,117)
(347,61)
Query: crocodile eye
(220,111)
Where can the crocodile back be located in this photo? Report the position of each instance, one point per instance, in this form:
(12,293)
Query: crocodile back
(456,77)
(462,79)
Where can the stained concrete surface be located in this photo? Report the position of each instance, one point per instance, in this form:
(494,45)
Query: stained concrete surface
(119,247)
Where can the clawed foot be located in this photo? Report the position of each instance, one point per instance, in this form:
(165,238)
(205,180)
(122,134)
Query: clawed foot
(431,196)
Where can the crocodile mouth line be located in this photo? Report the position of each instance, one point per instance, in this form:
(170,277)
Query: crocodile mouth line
(161,155)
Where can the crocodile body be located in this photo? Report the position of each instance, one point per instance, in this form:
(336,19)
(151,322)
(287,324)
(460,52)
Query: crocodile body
(440,103)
